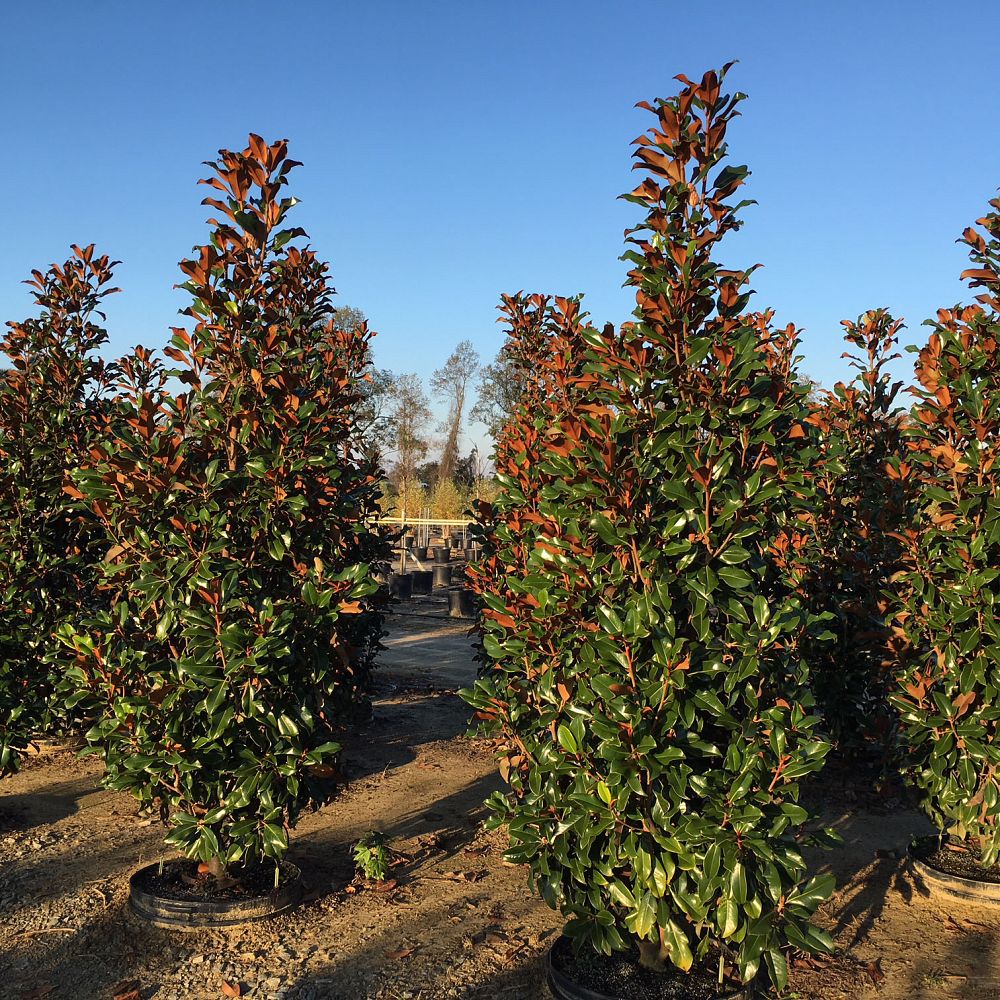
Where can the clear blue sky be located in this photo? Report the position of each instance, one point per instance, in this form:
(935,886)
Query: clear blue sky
(456,149)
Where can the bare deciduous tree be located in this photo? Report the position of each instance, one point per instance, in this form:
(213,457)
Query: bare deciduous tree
(451,384)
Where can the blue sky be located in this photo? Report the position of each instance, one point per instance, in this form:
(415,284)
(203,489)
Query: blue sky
(456,150)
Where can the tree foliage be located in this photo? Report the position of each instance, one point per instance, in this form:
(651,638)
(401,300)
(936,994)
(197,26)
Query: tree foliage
(641,570)
(410,414)
(947,638)
(860,507)
(53,410)
(243,606)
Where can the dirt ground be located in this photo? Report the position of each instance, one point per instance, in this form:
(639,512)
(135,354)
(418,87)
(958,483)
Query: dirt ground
(457,922)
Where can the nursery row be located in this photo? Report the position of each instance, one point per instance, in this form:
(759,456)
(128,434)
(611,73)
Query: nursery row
(696,573)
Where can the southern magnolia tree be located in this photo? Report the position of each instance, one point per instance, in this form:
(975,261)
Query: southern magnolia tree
(860,505)
(53,409)
(244,610)
(947,635)
(642,626)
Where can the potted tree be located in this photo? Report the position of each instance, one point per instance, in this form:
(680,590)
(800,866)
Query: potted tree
(946,636)
(54,408)
(642,626)
(244,611)
(860,506)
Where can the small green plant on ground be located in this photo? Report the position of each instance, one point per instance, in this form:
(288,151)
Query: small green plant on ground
(643,625)
(372,856)
(947,637)
(54,408)
(244,611)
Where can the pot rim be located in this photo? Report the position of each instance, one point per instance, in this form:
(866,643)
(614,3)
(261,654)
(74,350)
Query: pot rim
(974,889)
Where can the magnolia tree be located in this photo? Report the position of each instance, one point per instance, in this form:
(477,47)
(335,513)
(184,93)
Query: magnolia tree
(946,633)
(53,409)
(244,611)
(861,502)
(642,624)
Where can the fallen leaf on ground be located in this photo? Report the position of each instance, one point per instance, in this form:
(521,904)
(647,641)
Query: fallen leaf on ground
(874,970)
(38,992)
(466,876)
(231,989)
(399,955)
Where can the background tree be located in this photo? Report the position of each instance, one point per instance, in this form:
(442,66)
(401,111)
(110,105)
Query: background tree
(860,507)
(447,500)
(450,383)
(428,473)
(374,420)
(54,408)
(409,414)
(501,385)
(410,500)
(349,318)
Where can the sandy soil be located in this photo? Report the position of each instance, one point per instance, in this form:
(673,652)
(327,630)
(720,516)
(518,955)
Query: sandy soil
(458,921)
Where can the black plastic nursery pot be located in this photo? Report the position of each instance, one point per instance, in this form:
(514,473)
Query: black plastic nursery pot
(442,575)
(929,864)
(401,585)
(462,603)
(420,552)
(174,898)
(423,581)
(442,554)
(590,976)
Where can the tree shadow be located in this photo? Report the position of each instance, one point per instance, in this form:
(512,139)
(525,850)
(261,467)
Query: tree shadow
(872,874)
(447,950)
(22,811)
(967,969)
(440,829)
(400,728)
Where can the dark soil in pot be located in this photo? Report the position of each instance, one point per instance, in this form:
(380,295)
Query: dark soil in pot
(954,857)
(178,896)
(590,976)
(952,867)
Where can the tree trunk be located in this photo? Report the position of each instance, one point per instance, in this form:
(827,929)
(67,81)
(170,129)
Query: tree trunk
(653,955)
(216,868)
